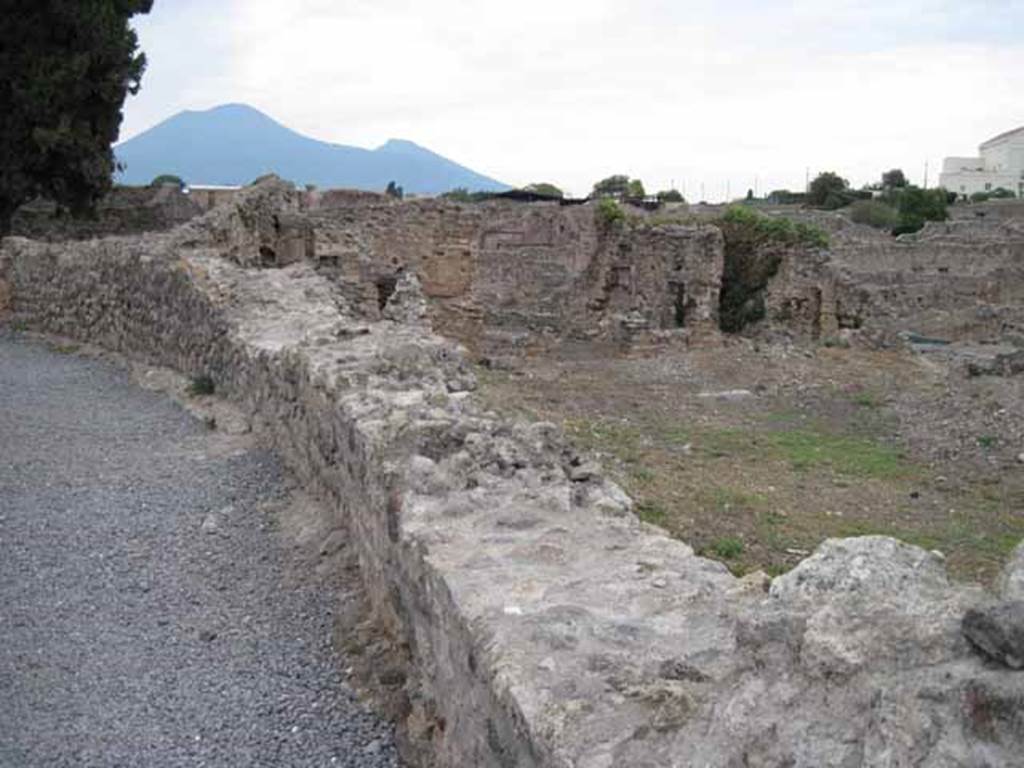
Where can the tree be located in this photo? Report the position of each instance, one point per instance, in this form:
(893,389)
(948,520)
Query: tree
(671,196)
(167,178)
(65,69)
(826,185)
(635,190)
(394,191)
(894,179)
(613,186)
(544,188)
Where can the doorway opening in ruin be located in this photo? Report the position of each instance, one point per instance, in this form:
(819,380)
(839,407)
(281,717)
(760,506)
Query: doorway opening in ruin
(678,291)
(385,289)
(268,257)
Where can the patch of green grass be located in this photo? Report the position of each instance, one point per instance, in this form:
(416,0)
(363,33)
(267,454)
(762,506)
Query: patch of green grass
(19,325)
(727,547)
(988,441)
(651,512)
(867,400)
(808,449)
(728,498)
(201,385)
(65,349)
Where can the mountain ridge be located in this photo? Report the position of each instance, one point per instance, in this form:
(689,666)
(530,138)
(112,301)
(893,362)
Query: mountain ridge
(233,144)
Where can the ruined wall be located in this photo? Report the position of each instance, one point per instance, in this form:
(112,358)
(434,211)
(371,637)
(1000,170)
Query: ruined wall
(960,280)
(502,275)
(125,211)
(548,626)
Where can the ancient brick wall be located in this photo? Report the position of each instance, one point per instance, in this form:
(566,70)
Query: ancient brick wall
(502,275)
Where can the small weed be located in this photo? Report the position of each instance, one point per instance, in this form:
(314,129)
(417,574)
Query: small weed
(988,441)
(65,349)
(19,325)
(651,512)
(835,342)
(727,548)
(201,385)
(867,400)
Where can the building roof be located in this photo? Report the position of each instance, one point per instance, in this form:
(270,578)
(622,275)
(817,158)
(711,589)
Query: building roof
(1001,136)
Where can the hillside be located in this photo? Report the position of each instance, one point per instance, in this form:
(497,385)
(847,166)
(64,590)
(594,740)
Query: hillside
(235,143)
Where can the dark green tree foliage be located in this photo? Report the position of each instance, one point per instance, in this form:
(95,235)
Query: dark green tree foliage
(671,196)
(394,191)
(635,190)
(826,189)
(613,186)
(65,69)
(894,179)
(916,206)
(167,178)
(1001,193)
(544,188)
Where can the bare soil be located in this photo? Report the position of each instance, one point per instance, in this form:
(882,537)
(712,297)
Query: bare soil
(755,453)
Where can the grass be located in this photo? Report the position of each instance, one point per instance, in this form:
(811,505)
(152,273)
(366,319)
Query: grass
(988,441)
(727,547)
(201,385)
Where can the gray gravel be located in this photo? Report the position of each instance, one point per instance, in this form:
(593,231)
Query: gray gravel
(129,635)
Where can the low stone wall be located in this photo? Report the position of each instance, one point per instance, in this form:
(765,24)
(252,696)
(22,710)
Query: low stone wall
(548,626)
(125,211)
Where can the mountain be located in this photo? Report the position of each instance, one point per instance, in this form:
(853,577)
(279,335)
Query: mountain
(235,144)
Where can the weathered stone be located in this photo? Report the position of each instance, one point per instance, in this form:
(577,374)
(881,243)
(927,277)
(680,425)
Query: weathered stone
(1011,584)
(997,631)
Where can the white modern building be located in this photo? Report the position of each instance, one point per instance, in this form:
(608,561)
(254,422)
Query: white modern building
(1001,164)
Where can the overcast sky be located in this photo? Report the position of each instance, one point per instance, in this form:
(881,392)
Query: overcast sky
(712,93)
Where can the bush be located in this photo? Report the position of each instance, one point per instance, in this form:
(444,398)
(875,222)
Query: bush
(916,206)
(980,197)
(1001,193)
(827,188)
(670,196)
(608,213)
(167,178)
(875,214)
(544,188)
(201,385)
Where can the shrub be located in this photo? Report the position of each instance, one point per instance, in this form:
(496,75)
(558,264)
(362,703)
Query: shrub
(201,385)
(874,213)
(670,196)
(916,206)
(544,188)
(980,197)
(727,547)
(1001,193)
(826,187)
(167,178)
(608,213)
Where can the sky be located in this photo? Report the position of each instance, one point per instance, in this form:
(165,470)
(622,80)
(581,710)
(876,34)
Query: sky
(712,97)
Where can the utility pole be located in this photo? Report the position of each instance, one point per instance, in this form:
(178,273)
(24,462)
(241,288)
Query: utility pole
(926,174)
(807,180)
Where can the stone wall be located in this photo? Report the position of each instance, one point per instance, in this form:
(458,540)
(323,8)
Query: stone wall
(548,626)
(125,211)
(504,275)
(961,280)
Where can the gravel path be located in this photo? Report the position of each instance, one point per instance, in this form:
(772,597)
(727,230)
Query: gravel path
(151,612)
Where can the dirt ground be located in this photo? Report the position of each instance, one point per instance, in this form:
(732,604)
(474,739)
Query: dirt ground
(755,453)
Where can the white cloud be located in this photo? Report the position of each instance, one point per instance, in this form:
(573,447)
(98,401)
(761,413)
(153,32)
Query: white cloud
(572,91)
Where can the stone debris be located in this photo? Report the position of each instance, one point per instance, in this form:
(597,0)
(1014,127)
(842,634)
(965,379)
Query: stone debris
(997,632)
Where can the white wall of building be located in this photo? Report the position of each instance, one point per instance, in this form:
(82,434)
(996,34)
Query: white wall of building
(1001,164)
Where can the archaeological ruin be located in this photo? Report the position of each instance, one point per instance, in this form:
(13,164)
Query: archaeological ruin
(545,623)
